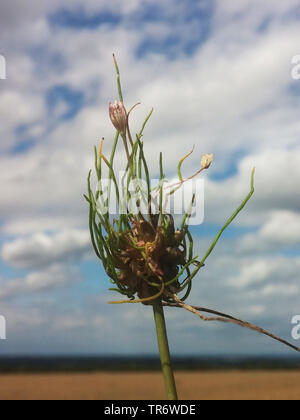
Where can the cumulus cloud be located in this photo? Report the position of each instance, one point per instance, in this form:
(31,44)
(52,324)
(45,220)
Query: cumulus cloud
(42,249)
(277,172)
(280,231)
(38,281)
(267,269)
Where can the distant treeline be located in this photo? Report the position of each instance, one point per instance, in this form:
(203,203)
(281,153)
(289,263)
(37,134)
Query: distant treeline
(92,364)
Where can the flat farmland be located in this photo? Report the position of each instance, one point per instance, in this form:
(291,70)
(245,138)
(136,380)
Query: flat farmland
(236,385)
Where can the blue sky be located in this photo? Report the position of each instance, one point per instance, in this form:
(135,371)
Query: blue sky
(218,74)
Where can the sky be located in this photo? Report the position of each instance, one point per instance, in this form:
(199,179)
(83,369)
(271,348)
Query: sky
(220,75)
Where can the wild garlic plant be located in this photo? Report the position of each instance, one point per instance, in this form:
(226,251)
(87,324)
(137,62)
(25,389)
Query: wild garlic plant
(146,257)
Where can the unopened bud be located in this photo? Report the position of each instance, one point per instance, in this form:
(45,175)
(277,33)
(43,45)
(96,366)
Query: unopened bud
(206,160)
(118,116)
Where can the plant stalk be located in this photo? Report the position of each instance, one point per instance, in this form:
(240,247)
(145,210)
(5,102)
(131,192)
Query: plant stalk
(164,351)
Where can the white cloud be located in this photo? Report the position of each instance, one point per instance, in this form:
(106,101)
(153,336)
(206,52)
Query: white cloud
(38,281)
(284,226)
(260,270)
(280,290)
(16,110)
(253,272)
(275,183)
(42,249)
(281,230)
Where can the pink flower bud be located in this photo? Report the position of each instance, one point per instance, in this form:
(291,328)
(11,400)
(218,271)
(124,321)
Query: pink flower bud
(118,116)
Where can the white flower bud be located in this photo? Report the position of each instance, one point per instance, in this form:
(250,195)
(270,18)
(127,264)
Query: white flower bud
(206,160)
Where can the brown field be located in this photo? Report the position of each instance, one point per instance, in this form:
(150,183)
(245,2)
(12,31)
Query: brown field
(267,385)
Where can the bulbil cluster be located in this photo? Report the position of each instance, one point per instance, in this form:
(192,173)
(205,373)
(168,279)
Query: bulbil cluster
(149,257)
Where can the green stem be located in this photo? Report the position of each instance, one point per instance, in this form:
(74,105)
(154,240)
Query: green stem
(118,79)
(164,351)
(126,148)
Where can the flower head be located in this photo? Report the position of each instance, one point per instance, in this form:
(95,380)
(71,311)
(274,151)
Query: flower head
(118,116)
(206,160)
